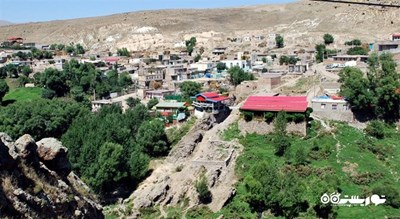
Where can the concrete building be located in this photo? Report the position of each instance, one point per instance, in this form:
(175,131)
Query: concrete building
(331,107)
(149,74)
(348,58)
(298,68)
(243,64)
(387,46)
(158,94)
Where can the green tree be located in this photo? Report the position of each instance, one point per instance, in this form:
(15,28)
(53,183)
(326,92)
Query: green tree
(221,66)
(378,92)
(79,49)
(152,102)
(283,60)
(26,70)
(77,93)
(320,48)
(152,139)
(132,102)
(300,156)
(123,52)
(328,39)
(279,41)
(281,141)
(70,49)
(357,51)
(3,89)
(190,44)
(376,128)
(40,118)
(138,165)
(189,89)
(264,60)
(238,75)
(204,193)
(55,80)
(355,42)
(60,47)
(124,80)
(197,58)
(110,166)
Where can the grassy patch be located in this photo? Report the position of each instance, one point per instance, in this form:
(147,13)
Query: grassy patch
(329,157)
(176,134)
(23,94)
(231,132)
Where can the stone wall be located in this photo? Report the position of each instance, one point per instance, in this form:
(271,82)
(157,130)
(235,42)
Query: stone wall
(261,127)
(345,116)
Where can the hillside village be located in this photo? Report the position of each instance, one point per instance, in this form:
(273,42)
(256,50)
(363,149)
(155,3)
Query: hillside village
(230,124)
(159,74)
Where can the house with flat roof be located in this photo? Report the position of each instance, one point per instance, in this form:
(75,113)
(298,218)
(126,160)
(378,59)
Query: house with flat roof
(332,107)
(158,94)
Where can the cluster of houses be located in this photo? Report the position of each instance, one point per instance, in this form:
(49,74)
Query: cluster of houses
(159,74)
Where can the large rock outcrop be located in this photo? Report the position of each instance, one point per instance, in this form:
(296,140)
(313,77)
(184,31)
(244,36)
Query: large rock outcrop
(36,182)
(199,152)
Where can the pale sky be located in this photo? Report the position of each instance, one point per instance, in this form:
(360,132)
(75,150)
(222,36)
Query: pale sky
(21,11)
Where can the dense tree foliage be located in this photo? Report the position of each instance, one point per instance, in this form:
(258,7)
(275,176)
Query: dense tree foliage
(288,60)
(79,80)
(132,102)
(320,48)
(281,141)
(238,75)
(152,102)
(279,41)
(355,42)
(123,52)
(152,139)
(328,39)
(110,147)
(189,89)
(358,50)
(376,93)
(3,89)
(269,189)
(40,118)
(221,66)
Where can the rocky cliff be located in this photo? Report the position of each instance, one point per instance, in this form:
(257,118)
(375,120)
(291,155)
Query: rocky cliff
(36,181)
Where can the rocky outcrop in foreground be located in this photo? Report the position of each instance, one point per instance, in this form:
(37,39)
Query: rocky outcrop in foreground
(36,181)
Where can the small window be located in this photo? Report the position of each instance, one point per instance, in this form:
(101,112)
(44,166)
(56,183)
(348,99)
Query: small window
(334,107)
(323,105)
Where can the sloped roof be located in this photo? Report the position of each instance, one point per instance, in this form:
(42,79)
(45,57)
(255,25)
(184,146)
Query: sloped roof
(276,103)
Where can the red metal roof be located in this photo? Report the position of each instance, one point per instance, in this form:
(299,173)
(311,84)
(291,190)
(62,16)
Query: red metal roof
(209,94)
(14,38)
(276,103)
(396,35)
(220,98)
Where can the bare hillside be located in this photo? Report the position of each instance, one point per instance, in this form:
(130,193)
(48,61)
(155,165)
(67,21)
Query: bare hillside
(304,20)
